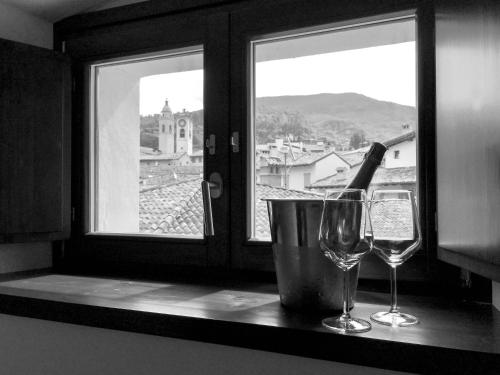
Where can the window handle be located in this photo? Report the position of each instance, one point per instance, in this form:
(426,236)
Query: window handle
(210,189)
(210,144)
(207,209)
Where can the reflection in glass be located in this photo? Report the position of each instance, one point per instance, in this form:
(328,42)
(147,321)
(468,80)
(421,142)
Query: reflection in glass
(345,237)
(396,231)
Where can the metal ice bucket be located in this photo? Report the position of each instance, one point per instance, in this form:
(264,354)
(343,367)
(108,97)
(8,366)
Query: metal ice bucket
(307,280)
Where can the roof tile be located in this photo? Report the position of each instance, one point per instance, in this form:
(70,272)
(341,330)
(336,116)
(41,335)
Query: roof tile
(383,176)
(178,208)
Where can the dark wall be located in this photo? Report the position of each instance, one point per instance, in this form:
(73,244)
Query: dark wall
(468,134)
(22,27)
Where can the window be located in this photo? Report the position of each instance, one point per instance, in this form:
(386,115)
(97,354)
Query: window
(267,142)
(320,98)
(307,179)
(139,96)
(300,129)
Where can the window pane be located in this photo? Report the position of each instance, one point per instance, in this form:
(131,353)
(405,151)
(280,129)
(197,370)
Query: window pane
(148,154)
(320,99)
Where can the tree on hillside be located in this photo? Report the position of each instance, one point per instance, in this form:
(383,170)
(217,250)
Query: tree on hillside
(357,140)
(271,125)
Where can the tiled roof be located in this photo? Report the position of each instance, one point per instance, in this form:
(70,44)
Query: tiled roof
(312,157)
(401,138)
(161,209)
(156,176)
(354,157)
(265,191)
(392,219)
(178,208)
(171,169)
(383,176)
(306,158)
(162,156)
(313,147)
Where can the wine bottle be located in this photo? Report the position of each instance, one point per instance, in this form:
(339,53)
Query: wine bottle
(371,161)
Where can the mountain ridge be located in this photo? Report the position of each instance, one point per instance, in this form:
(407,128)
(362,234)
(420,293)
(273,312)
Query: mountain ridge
(335,118)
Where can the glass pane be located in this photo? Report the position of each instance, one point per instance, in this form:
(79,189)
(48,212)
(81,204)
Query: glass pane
(148,154)
(320,99)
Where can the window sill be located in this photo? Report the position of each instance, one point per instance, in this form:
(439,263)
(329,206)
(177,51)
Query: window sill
(451,337)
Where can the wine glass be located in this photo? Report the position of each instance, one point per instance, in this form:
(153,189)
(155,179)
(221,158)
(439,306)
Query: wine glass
(396,232)
(344,237)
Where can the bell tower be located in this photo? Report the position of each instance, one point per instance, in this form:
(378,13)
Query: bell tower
(166,132)
(184,136)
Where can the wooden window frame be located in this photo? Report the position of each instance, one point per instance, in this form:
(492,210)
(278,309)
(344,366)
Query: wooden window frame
(250,24)
(224,29)
(93,252)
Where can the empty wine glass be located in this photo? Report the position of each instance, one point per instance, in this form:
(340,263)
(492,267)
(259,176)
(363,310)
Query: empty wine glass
(396,232)
(344,237)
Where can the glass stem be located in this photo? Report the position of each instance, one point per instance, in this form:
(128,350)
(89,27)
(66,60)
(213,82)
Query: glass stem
(394,292)
(345,305)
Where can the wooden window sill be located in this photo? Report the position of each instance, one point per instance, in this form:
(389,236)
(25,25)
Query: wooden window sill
(451,337)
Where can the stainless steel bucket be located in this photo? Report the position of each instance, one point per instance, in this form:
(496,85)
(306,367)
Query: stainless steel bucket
(307,280)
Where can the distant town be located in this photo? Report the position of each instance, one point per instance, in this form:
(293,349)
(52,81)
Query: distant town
(296,163)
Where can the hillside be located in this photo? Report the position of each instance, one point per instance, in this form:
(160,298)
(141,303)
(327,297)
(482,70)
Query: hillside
(336,118)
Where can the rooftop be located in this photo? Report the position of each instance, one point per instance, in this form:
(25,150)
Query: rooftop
(401,138)
(383,176)
(160,156)
(354,157)
(302,159)
(178,208)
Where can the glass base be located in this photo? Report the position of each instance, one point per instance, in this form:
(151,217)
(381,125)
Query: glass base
(340,324)
(394,319)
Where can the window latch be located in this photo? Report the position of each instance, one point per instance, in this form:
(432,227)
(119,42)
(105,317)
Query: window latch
(210,144)
(235,142)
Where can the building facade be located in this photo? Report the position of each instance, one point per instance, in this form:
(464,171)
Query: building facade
(175,133)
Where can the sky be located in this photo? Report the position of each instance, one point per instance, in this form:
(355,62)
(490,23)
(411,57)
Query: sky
(385,73)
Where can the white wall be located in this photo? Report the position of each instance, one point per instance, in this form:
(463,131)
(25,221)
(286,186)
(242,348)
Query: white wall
(118,149)
(22,27)
(407,155)
(328,166)
(296,176)
(321,169)
(32,346)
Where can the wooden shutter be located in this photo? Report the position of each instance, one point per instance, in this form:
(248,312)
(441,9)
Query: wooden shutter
(35,106)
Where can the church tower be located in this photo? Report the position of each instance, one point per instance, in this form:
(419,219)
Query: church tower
(166,134)
(184,136)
